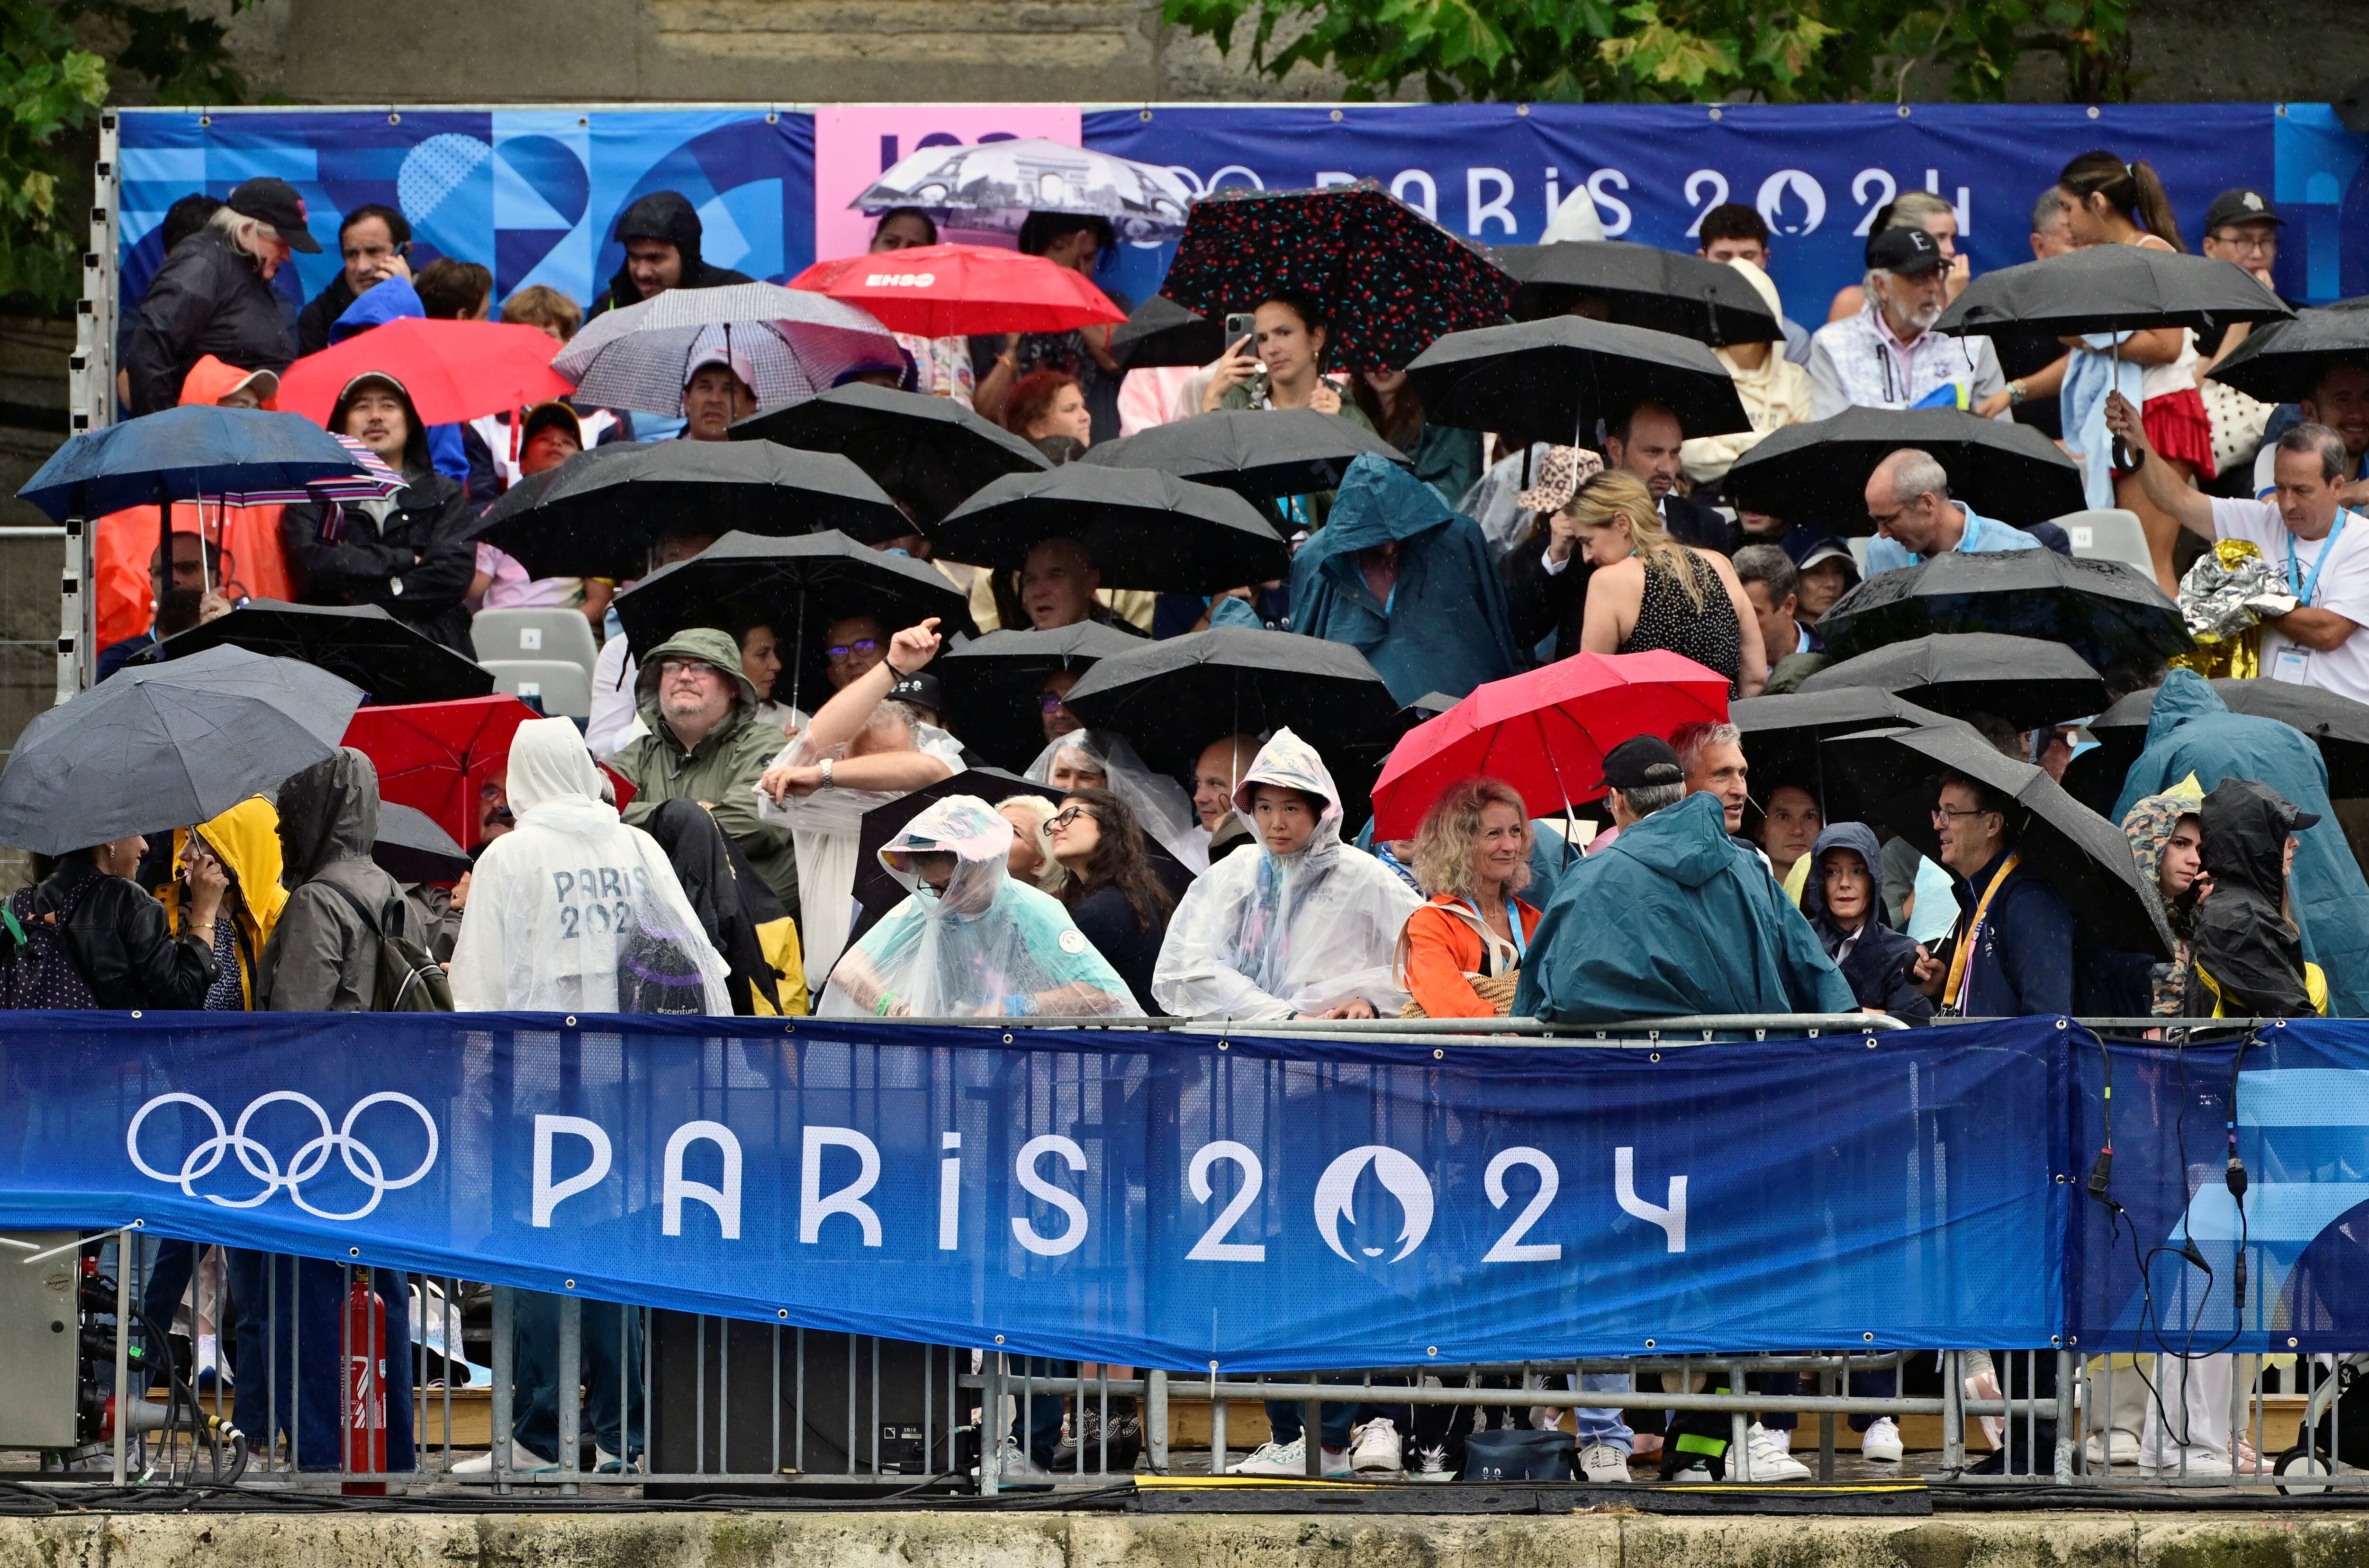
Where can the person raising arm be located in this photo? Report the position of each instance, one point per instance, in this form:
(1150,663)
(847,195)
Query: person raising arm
(846,720)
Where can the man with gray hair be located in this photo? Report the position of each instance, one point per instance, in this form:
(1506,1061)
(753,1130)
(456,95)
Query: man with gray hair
(2303,531)
(1772,583)
(1886,357)
(1713,757)
(213,295)
(1908,502)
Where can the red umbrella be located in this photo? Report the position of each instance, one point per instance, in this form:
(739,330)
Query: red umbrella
(944,291)
(454,369)
(436,757)
(1545,732)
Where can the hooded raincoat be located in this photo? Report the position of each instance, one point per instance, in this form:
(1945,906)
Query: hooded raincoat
(1675,918)
(245,838)
(2248,962)
(1445,627)
(1160,801)
(2192,731)
(1265,936)
(572,911)
(986,946)
(665,215)
(1875,959)
(2149,824)
(722,770)
(322,956)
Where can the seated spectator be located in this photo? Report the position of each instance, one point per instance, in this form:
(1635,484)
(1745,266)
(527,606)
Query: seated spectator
(1775,392)
(942,366)
(969,941)
(1794,648)
(1930,212)
(1053,712)
(1884,355)
(454,290)
(1648,591)
(1908,501)
(2340,400)
(1216,775)
(616,719)
(1077,241)
(1546,574)
(760,661)
(551,434)
(2012,955)
(124,952)
(1048,403)
(2242,228)
(213,295)
(411,555)
(718,391)
(374,243)
(1790,824)
(1104,758)
(1300,923)
(1407,583)
(1460,955)
(1443,457)
(1645,443)
(178,608)
(862,750)
(1826,571)
(704,743)
(662,234)
(449,447)
(573,911)
(744,922)
(1110,887)
(1281,365)
(2247,956)
(1059,586)
(1031,860)
(1840,898)
(1703,929)
(1734,231)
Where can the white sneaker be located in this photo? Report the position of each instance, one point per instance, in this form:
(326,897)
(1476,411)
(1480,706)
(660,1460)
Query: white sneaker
(606,1463)
(523,1462)
(1881,1442)
(2200,1467)
(1770,1460)
(1695,1473)
(1431,1465)
(2124,1447)
(1289,1460)
(1378,1448)
(1604,1465)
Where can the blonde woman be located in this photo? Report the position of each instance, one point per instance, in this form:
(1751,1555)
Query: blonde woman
(1031,860)
(1472,855)
(1650,592)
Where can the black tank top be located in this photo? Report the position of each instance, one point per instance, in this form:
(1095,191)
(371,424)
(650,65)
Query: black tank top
(1668,619)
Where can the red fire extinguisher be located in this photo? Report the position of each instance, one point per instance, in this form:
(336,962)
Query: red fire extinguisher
(365,1335)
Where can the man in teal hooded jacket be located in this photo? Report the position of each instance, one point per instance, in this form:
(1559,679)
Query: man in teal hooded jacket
(1407,583)
(1675,918)
(2191,730)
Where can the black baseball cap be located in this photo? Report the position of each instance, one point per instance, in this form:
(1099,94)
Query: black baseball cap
(920,689)
(275,201)
(2240,204)
(1905,251)
(1642,762)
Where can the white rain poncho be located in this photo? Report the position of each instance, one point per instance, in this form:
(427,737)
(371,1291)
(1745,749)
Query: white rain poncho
(572,911)
(826,829)
(988,946)
(1158,801)
(1264,936)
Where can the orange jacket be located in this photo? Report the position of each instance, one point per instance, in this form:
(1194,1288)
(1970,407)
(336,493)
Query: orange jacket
(1441,946)
(248,537)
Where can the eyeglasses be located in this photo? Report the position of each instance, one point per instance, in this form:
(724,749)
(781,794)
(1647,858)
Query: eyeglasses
(2237,239)
(1050,702)
(1942,814)
(862,644)
(670,668)
(1062,818)
(1885,519)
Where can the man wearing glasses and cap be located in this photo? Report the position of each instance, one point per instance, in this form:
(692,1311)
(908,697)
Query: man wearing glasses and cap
(1887,356)
(213,295)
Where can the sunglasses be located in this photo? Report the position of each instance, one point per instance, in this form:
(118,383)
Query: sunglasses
(863,645)
(1050,702)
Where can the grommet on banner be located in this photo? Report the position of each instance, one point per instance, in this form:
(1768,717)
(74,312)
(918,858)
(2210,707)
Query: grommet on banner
(1007,1039)
(784,1314)
(1144,115)
(1654,1056)
(1869,1338)
(1336,115)
(1431,1350)
(773,116)
(2093,111)
(1213,1365)
(570,1284)
(1871,1042)
(395,120)
(1904,111)
(1440,1056)
(1221,1044)
(1714,111)
(1649,1345)
(2056,1339)
(999,1339)
(571,1020)
(2291,1344)
(135,1012)
(1522,109)
(353,1252)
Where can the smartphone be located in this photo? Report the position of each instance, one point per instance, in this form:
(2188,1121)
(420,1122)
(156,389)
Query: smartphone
(1240,325)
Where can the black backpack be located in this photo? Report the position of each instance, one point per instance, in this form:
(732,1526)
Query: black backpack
(36,969)
(409,979)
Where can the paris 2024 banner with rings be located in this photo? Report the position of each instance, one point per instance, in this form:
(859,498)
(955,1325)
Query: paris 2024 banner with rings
(535,193)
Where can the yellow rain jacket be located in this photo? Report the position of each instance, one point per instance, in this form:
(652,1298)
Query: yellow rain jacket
(246,840)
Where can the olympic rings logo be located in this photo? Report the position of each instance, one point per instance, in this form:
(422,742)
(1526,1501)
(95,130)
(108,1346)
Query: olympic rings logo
(259,1163)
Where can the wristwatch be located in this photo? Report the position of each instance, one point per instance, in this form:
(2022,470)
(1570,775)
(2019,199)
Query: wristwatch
(827,780)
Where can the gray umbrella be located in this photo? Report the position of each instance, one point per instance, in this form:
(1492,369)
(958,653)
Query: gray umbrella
(168,746)
(412,848)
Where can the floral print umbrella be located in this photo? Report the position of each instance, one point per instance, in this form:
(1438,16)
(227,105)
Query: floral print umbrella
(1388,278)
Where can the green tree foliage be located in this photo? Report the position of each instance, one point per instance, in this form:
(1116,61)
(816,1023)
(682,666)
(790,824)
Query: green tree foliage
(49,90)
(1673,50)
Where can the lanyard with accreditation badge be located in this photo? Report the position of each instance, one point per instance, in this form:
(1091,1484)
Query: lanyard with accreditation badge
(2293,662)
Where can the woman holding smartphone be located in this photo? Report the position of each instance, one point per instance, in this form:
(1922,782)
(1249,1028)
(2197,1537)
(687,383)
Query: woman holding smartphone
(1280,364)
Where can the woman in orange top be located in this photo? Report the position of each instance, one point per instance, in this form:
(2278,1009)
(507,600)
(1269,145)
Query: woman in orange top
(1472,855)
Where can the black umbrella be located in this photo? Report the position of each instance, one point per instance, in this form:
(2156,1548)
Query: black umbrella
(1889,776)
(1259,455)
(2283,362)
(2103,611)
(1162,332)
(1144,529)
(390,660)
(799,586)
(603,510)
(990,685)
(1641,286)
(1552,381)
(1174,698)
(1818,473)
(928,452)
(2111,288)
(2021,680)
(1781,733)
(2336,724)
(412,848)
(154,748)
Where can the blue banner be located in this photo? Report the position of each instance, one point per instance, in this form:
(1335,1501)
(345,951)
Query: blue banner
(533,193)
(1168,1200)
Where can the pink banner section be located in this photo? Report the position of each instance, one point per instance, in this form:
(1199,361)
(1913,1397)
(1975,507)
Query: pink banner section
(854,144)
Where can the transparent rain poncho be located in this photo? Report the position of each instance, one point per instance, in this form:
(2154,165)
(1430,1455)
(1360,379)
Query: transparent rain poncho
(1160,803)
(572,911)
(986,946)
(1264,936)
(826,829)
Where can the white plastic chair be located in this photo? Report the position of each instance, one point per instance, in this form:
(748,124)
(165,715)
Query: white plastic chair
(2109,534)
(536,632)
(564,689)
(1859,554)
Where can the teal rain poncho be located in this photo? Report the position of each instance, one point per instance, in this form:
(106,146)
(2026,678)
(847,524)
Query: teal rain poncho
(1674,918)
(1444,628)
(2191,730)
(986,947)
